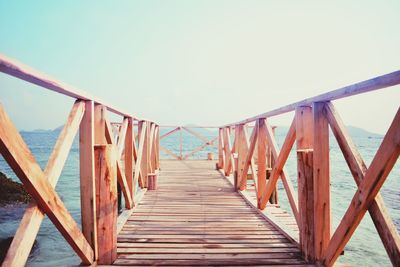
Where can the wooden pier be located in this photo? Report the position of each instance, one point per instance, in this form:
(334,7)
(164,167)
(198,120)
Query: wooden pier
(186,212)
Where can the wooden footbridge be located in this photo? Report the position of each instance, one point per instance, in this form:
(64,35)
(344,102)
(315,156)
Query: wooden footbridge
(199,212)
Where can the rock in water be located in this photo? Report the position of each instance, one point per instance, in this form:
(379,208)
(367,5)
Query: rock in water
(12,192)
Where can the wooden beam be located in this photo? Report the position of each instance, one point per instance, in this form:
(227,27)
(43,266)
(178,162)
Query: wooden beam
(87,178)
(380,167)
(129,148)
(376,83)
(304,138)
(23,240)
(151,138)
(169,152)
(321,187)
(197,149)
(262,162)
(228,152)
(138,176)
(279,170)
(121,137)
(169,133)
(221,158)
(107,208)
(379,214)
(249,156)
(18,156)
(199,136)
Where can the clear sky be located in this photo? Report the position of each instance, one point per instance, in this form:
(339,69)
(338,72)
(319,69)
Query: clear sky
(201,62)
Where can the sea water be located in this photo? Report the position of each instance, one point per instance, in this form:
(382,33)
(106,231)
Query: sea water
(364,248)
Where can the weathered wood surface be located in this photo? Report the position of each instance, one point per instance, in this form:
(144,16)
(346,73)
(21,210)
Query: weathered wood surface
(196,218)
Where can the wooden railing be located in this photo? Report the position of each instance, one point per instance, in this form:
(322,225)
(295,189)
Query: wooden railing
(108,159)
(311,209)
(191,130)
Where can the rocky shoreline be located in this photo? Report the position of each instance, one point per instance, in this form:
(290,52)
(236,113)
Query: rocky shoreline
(12,192)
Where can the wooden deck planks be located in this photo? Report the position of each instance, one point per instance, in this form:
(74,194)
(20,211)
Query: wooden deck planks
(196,218)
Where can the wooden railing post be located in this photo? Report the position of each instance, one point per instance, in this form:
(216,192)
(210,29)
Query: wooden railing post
(221,157)
(106,175)
(322,211)
(129,159)
(87,177)
(304,140)
(106,189)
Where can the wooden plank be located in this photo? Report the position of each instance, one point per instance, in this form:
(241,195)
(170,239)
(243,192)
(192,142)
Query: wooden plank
(304,140)
(128,164)
(221,155)
(107,208)
(170,153)
(157,148)
(199,136)
(321,187)
(138,175)
(23,240)
(249,155)
(20,159)
(376,83)
(87,177)
(379,214)
(197,149)
(121,137)
(228,152)
(242,150)
(150,139)
(281,157)
(26,73)
(262,163)
(169,133)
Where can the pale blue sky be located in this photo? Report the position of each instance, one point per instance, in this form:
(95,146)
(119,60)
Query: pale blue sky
(201,62)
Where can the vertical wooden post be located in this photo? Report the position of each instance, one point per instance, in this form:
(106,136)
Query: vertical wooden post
(180,143)
(322,211)
(87,177)
(304,140)
(221,160)
(262,161)
(228,152)
(241,149)
(129,159)
(106,175)
(158,148)
(144,163)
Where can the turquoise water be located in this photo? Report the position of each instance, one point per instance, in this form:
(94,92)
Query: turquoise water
(364,249)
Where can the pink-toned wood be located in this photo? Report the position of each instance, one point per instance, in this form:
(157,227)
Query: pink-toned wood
(151,148)
(169,152)
(249,156)
(379,214)
(87,178)
(28,229)
(221,156)
(26,73)
(121,138)
(241,149)
(169,133)
(228,152)
(304,140)
(107,208)
(380,167)
(376,83)
(138,175)
(152,181)
(129,147)
(262,162)
(197,149)
(121,178)
(157,148)
(281,157)
(199,136)
(18,156)
(321,187)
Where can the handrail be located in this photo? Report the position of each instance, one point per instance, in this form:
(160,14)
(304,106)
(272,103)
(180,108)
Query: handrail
(19,70)
(376,83)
